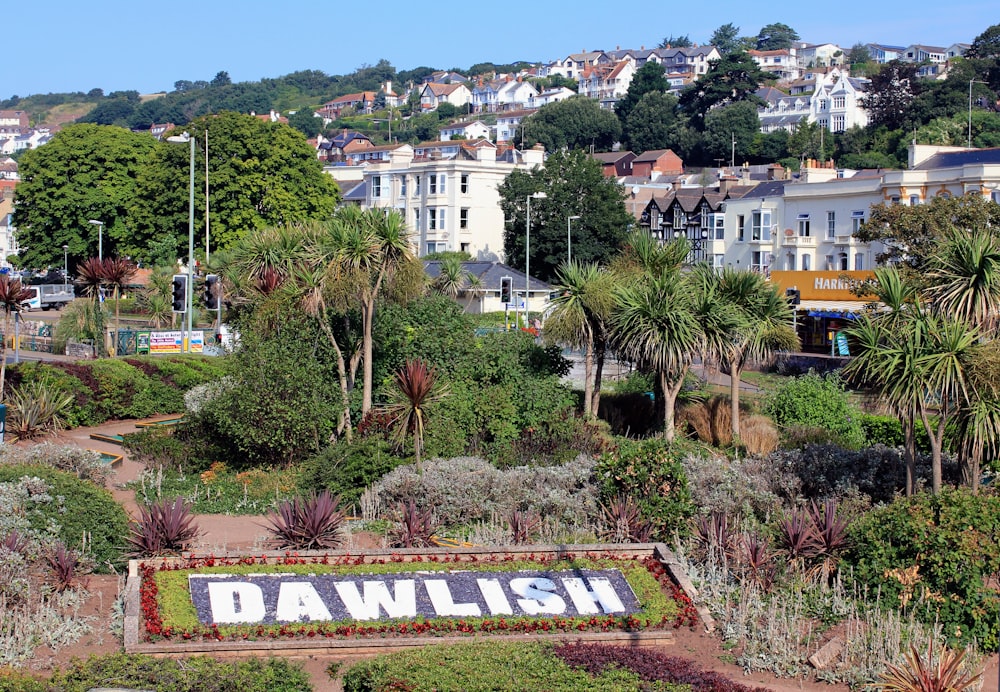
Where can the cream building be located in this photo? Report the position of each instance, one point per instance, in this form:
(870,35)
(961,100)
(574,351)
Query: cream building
(449,197)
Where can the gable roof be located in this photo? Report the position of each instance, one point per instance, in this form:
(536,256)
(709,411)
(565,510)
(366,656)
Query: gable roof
(489,274)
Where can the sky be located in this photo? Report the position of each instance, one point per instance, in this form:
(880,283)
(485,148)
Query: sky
(69,45)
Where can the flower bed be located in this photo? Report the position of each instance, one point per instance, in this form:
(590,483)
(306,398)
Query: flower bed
(170,616)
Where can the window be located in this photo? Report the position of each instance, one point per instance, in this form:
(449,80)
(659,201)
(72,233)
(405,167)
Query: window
(838,102)
(402,185)
(432,218)
(915,200)
(857,218)
(433,247)
(823,123)
(740,221)
(718,261)
(859,262)
(432,184)
(464,182)
(790,262)
(842,261)
(839,123)
(806,262)
(441,212)
(680,218)
(416,219)
(894,200)
(719,223)
(803,225)
(442,179)
(761,225)
(758,261)
(823,104)
(829,265)
(376,186)
(463,219)
(416,185)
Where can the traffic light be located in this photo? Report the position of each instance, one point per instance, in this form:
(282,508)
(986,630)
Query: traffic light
(211,296)
(180,285)
(793,295)
(506,288)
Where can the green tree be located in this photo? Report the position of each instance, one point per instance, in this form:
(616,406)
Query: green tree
(672,41)
(649,78)
(859,54)
(735,77)
(653,123)
(737,122)
(910,234)
(575,186)
(807,141)
(890,94)
(776,36)
(413,393)
(577,122)
(85,172)
(726,39)
(260,174)
(305,121)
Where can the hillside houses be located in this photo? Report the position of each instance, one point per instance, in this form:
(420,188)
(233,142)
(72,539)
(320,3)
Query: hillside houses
(834,103)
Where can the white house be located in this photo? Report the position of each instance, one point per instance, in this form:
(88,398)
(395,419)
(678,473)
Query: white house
(819,55)
(434,94)
(882,53)
(509,121)
(515,94)
(465,130)
(448,193)
(782,63)
(834,103)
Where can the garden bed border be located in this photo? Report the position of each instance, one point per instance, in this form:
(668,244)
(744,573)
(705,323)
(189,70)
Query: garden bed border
(374,646)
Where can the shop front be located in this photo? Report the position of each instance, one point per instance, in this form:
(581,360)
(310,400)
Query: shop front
(826,306)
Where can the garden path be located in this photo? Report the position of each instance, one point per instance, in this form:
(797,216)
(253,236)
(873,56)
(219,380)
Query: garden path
(221,532)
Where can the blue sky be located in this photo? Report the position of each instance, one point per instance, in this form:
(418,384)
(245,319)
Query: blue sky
(69,45)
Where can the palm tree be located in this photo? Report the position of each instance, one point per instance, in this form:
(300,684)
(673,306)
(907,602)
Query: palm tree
(12,297)
(90,277)
(118,274)
(655,325)
(452,278)
(762,329)
(964,277)
(579,317)
(407,410)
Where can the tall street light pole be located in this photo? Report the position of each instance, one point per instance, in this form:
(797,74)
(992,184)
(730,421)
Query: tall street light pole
(971,82)
(527,252)
(100,237)
(186,137)
(569,238)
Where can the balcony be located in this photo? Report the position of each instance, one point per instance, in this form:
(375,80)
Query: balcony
(844,239)
(799,241)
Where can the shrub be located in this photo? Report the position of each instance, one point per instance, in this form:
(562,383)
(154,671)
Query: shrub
(651,472)
(748,487)
(346,469)
(414,527)
(930,555)
(127,392)
(315,522)
(557,440)
(758,435)
(80,514)
(85,464)
(194,674)
(465,490)
(184,447)
(35,409)
(882,430)
(482,666)
(817,401)
(163,528)
(630,414)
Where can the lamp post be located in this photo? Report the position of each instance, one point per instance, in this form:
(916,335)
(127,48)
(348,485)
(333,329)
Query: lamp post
(100,237)
(971,82)
(187,138)
(527,251)
(569,238)
(65,266)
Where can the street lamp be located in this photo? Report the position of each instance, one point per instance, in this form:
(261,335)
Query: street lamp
(971,82)
(569,238)
(100,237)
(65,266)
(527,251)
(187,138)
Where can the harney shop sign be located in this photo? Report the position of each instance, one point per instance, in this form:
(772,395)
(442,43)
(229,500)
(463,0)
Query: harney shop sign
(280,598)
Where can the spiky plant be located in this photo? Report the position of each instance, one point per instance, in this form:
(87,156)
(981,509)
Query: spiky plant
(715,533)
(163,528)
(758,559)
(118,273)
(14,541)
(522,524)
(414,392)
(797,536)
(12,298)
(918,674)
(625,521)
(65,564)
(36,408)
(314,522)
(414,527)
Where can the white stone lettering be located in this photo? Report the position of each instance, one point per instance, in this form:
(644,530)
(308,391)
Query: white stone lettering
(496,599)
(441,599)
(299,600)
(235,601)
(600,592)
(402,605)
(535,597)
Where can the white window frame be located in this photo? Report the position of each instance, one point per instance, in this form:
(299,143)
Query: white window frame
(376,186)
(463,219)
(857,218)
(804,224)
(760,225)
(464,183)
(831,224)
(432,219)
